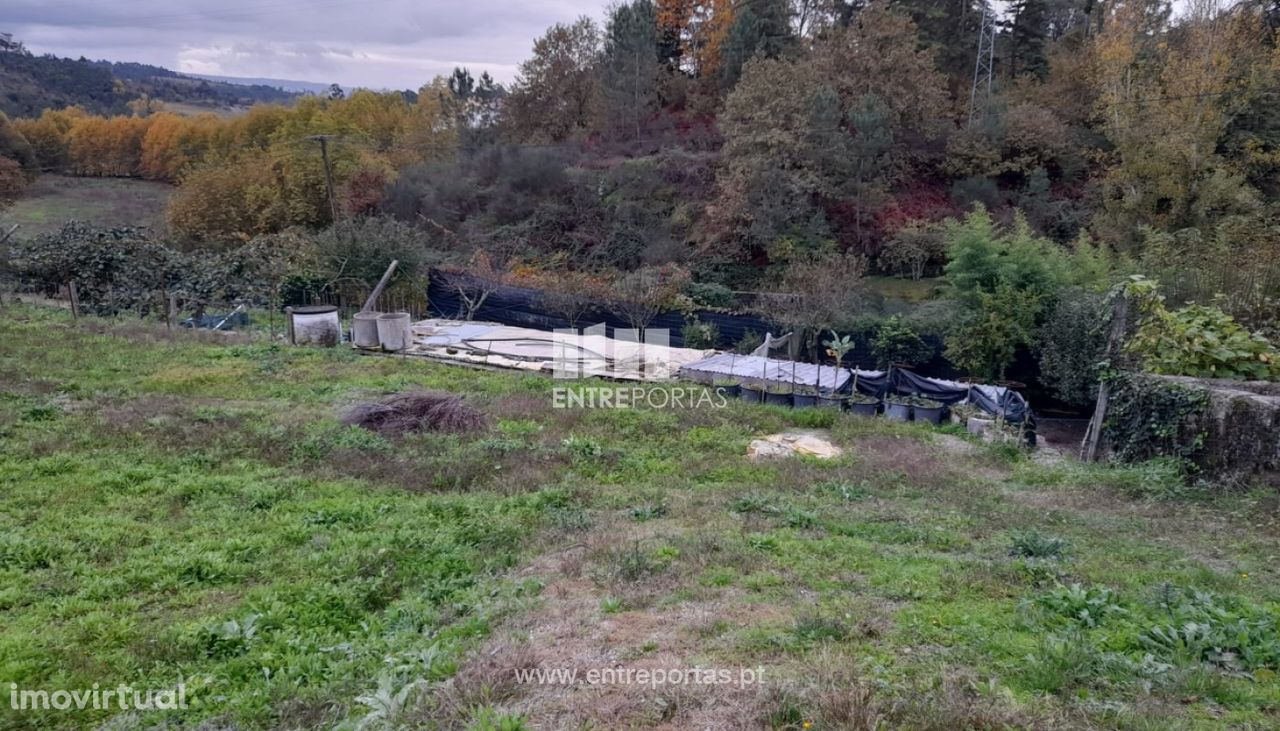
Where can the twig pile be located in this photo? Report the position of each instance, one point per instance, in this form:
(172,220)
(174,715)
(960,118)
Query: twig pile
(418,411)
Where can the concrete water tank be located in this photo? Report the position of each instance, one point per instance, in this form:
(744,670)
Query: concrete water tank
(364,330)
(393,331)
(315,325)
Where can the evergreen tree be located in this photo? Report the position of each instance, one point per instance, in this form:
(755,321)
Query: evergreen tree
(759,27)
(629,74)
(1027,34)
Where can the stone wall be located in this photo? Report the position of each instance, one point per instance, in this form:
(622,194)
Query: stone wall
(1240,425)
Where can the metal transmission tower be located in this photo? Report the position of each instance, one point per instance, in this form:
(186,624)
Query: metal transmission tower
(984,67)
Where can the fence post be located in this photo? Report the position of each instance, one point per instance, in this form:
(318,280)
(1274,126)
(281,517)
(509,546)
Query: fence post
(75,300)
(171,315)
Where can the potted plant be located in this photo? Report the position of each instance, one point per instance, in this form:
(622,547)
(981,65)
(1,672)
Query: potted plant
(777,395)
(837,347)
(898,408)
(727,387)
(927,409)
(832,401)
(804,397)
(752,393)
(863,405)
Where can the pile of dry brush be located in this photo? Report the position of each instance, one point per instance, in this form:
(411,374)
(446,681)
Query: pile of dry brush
(418,411)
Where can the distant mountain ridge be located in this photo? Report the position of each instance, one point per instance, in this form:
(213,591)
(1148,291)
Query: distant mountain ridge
(29,84)
(290,85)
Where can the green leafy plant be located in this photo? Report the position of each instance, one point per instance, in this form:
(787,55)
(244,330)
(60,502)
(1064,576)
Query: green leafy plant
(1089,606)
(1196,340)
(1032,543)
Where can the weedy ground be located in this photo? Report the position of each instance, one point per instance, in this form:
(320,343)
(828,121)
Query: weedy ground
(189,509)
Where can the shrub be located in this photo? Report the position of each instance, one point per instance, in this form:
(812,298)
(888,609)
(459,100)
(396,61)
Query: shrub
(1072,343)
(749,341)
(711,294)
(700,335)
(1000,323)
(896,342)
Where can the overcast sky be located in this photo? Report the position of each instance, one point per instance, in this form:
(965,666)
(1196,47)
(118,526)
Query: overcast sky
(395,44)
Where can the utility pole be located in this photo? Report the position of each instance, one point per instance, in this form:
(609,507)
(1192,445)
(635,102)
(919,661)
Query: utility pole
(328,171)
(984,66)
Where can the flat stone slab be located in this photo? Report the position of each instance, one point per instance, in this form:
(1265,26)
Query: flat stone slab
(811,443)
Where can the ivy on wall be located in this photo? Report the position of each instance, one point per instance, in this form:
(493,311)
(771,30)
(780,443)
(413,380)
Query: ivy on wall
(1149,418)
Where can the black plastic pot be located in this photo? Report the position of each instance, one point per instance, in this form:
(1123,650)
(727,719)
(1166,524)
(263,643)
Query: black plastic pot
(931,415)
(897,412)
(730,391)
(831,402)
(804,400)
(863,409)
(751,394)
(777,399)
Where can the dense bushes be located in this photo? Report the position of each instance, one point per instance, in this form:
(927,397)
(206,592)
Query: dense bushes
(126,269)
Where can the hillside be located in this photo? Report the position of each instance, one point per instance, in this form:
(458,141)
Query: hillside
(33,83)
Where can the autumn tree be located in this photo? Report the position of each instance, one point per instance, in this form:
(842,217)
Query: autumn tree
(1166,107)
(695,32)
(554,95)
(14,146)
(49,135)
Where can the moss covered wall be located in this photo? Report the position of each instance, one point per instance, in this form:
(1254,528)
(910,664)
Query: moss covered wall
(1229,429)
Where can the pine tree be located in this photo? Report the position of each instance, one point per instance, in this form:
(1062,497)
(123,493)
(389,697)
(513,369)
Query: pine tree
(629,77)
(760,27)
(1027,35)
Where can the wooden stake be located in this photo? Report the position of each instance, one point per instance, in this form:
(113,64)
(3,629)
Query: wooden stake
(75,300)
(1119,323)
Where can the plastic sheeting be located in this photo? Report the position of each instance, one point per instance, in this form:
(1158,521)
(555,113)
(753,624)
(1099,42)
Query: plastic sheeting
(758,369)
(994,400)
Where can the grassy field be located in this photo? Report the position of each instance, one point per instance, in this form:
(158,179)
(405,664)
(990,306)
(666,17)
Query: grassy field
(55,199)
(192,511)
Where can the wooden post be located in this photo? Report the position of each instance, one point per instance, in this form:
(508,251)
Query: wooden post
(171,316)
(75,300)
(1115,341)
(370,303)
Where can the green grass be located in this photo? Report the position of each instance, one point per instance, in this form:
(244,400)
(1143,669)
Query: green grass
(191,509)
(54,200)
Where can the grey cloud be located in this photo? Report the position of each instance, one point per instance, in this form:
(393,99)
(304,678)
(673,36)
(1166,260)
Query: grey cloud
(387,44)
